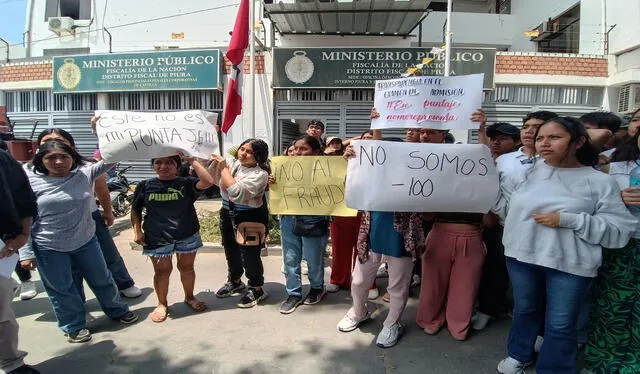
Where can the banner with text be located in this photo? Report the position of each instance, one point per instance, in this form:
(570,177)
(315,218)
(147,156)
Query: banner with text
(309,185)
(361,67)
(138,71)
(421,177)
(143,136)
(444,103)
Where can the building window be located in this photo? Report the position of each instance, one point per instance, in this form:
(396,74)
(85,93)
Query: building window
(560,35)
(76,9)
(503,6)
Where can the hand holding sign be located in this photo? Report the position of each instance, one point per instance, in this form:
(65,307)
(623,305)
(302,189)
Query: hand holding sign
(421,177)
(141,136)
(442,103)
(308,185)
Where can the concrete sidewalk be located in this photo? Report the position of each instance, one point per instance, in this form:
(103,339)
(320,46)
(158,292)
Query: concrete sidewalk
(226,339)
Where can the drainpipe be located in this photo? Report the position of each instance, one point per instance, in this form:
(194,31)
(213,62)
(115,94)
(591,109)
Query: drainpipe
(29,23)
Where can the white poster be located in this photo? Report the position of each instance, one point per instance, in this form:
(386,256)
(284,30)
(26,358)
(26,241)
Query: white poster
(143,135)
(421,177)
(444,103)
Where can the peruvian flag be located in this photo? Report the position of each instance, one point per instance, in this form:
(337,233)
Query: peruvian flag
(235,54)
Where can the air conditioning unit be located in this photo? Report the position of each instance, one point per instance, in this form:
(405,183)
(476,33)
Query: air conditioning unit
(61,24)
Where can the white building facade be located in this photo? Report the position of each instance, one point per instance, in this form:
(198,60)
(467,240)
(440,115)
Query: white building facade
(583,56)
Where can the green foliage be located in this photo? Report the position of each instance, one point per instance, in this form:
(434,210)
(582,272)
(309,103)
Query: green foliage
(210,228)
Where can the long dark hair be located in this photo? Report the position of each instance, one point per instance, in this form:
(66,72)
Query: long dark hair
(260,152)
(58,131)
(587,155)
(45,148)
(313,142)
(628,150)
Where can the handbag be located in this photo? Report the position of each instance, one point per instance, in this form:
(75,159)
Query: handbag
(251,233)
(247,233)
(311,228)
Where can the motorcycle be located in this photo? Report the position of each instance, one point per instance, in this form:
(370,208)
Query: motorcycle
(120,191)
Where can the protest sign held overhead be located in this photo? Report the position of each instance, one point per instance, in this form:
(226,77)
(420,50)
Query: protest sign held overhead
(142,136)
(443,103)
(421,177)
(309,185)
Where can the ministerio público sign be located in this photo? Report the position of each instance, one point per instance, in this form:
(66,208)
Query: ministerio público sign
(361,67)
(144,71)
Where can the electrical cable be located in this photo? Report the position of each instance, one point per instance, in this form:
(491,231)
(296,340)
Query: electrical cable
(139,22)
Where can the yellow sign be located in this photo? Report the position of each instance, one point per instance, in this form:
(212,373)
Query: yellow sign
(532,33)
(177,35)
(309,185)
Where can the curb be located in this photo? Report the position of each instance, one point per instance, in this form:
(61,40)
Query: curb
(209,247)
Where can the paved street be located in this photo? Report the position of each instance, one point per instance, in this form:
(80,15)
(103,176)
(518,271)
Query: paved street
(226,339)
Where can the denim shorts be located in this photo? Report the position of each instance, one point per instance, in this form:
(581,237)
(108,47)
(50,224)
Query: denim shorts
(190,244)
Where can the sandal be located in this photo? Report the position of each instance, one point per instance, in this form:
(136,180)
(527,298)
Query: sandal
(158,315)
(196,305)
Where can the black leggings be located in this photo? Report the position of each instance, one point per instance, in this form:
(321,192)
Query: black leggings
(242,259)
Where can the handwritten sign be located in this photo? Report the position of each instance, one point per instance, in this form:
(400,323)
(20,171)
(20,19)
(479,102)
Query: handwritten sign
(309,185)
(421,177)
(442,103)
(143,136)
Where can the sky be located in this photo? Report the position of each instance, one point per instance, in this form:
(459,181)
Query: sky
(12,17)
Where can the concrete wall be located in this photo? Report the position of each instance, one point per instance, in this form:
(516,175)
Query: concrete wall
(625,15)
(498,30)
(204,29)
(530,14)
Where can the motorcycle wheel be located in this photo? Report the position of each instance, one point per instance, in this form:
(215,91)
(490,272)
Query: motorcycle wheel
(122,206)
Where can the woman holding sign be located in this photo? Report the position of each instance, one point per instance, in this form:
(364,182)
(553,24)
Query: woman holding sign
(170,226)
(303,236)
(243,219)
(557,221)
(397,239)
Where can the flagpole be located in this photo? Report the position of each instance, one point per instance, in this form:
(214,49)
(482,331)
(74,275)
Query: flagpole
(447,41)
(252,68)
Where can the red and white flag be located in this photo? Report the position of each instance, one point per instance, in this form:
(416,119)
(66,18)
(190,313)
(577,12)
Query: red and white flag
(235,54)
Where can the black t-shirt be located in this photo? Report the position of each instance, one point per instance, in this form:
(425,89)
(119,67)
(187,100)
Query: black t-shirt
(170,214)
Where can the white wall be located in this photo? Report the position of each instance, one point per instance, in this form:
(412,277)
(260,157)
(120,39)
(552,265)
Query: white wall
(529,14)
(625,14)
(497,29)
(204,29)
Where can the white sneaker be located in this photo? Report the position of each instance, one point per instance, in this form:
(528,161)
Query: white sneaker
(373,294)
(332,288)
(511,366)
(131,292)
(382,271)
(388,336)
(304,268)
(538,344)
(16,286)
(479,321)
(28,290)
(347,323)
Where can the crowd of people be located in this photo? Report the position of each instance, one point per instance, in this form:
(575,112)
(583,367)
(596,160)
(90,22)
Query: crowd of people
(560,249)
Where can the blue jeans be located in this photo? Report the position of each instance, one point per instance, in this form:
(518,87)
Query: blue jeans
(294,248)
(111,255)
(565,295)
(56,272)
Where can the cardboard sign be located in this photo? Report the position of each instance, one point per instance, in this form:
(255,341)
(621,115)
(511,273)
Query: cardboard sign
(309,185)
(442,103)
(143,136)
(421,177)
